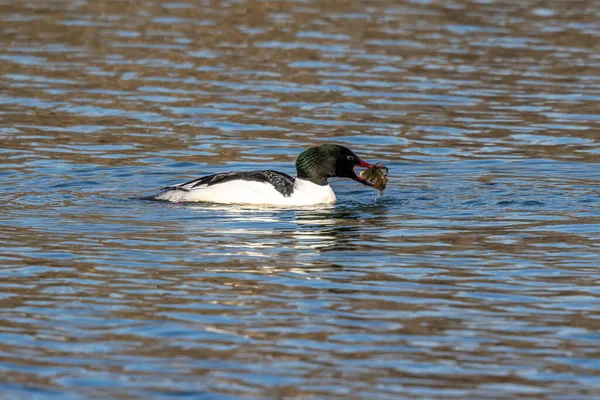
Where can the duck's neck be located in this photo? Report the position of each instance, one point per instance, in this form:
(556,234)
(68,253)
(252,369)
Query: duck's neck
(310,167)
(321,181)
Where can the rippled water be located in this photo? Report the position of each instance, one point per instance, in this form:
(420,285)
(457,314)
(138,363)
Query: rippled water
(476,275)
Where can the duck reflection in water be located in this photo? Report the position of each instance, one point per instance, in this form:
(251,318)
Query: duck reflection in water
(272,233)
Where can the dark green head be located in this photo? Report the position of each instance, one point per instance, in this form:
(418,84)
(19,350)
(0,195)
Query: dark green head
(328,160)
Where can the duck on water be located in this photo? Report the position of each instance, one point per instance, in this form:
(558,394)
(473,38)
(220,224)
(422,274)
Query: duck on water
(313,167)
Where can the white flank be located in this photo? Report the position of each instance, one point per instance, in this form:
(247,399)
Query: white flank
(250,192)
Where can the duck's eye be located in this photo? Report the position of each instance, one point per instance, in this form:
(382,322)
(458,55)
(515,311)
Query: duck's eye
(350,158)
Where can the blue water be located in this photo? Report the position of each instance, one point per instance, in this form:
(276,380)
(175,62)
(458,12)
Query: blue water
(475,275)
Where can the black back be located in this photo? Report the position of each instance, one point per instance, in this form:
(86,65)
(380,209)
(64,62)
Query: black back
(283,183)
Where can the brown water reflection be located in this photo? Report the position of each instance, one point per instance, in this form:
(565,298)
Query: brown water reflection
(475,276)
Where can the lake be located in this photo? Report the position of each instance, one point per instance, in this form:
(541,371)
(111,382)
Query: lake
(475,275)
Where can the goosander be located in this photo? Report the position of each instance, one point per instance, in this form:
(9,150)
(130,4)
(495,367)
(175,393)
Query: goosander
(313,167)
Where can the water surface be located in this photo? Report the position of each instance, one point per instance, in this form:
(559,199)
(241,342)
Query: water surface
(475,275)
